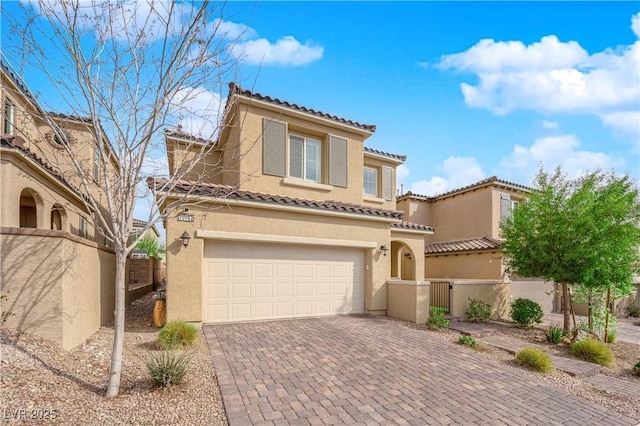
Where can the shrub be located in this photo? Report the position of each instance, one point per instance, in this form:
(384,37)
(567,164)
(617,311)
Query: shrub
(636,369)
(478,311)
(525,312)
(436,318)
(555,333)
(177,334)
(592,350)
(534,359)
(611,337)
(467,341)
(167,368)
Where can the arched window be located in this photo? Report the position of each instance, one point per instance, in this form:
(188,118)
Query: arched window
(28,210)
(57,214)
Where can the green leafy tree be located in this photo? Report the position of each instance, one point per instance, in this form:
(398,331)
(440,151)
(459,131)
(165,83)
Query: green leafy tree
(152,246)
(576,232)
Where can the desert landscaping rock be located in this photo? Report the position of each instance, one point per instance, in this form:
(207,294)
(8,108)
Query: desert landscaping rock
(53,386)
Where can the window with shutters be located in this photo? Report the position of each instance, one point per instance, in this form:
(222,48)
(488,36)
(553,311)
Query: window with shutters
(506,206)
(304,158)
(9,115)
(370,181)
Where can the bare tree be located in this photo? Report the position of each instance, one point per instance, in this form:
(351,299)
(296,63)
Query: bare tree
(126,71)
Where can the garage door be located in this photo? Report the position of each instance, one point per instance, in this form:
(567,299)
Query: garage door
(246,281)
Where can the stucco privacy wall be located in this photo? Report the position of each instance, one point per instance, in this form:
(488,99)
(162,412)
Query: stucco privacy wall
(484,265)
(185,264)
(541,292)
(496,293)
(408,300)
(58,286)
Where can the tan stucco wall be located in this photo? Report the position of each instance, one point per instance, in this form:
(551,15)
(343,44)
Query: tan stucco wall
(495,293)
(185,265)
(416,211)
(462,216)
(408,300)
(539,291)
(58,286)
(482,265)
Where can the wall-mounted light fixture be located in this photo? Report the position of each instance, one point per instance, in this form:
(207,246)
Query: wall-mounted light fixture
(384,249)
(407,255)
(185,237)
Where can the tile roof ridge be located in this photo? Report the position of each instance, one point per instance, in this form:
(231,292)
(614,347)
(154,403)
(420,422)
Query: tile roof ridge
(235,89)
(386,154)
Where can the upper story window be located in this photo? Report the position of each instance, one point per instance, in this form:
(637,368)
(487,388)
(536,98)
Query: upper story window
(304,158)
(299,157)
(82,231)
(9,116)
(370,181)
(506,206)
(96,163)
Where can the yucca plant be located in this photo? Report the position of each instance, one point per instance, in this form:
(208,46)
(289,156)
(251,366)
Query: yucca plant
(167,368)
(555,333)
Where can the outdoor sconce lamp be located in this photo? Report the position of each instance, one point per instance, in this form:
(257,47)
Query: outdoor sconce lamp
(185,237)
(384,249)
(407,255)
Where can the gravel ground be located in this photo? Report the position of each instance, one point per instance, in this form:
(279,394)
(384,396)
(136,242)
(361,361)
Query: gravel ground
(627,355)
(41,383)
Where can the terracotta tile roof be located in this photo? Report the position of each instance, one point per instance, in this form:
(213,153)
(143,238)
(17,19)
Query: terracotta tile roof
(231,193)
(234,89)
(6,67)
(413,226)
(178,133)
(493,180)
(18,144)
(472,244)
(386,154)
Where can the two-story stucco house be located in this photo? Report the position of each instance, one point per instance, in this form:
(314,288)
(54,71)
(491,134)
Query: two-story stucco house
(57,270)
(300,221)
(464,256)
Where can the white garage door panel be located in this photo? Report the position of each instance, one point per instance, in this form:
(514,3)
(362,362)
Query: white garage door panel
(260,281)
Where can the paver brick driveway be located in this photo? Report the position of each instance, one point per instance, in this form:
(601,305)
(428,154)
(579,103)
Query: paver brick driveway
(368,370)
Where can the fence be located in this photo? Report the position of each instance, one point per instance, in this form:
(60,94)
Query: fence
(440,294)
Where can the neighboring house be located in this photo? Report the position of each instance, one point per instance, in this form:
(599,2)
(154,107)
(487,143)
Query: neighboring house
(290,216)
(57,270)
(140,226)
(464,254)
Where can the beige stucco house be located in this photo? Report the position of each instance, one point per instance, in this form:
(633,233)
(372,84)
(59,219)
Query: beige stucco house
(463,259)
(57,270)
(290,216)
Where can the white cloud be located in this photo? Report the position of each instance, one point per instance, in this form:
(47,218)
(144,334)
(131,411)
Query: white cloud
(402,172)
(551,76)
(286,51)
(551,152)
(549,124)
(198,111)
(232,30)
(635,24)
(624,122)
(458,172)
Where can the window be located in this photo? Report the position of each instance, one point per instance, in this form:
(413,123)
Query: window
(370,181)
(83,227)
(9,113)
(304,158)
(96,163)
(506,206)
(107,242)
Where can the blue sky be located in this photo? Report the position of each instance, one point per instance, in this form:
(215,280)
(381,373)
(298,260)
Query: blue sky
(465,90)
